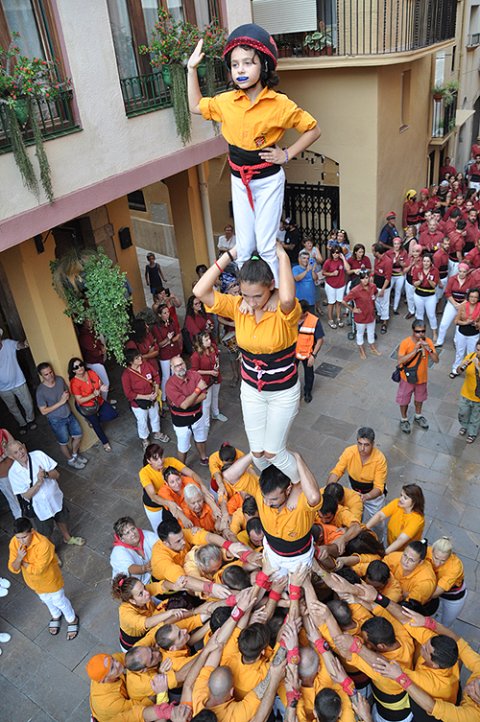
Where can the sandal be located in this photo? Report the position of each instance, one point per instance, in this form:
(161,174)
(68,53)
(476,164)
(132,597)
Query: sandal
(340,324)
(158,436)
(471,439)
(384,328)
(453,375)
(462,431)
(72,629)
(54,626)
(332,324)
(77,541)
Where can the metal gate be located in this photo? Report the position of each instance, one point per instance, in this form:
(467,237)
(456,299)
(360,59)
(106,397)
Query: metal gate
(315,209)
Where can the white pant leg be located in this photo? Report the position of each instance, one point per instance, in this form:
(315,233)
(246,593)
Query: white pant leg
(371,506)
(207,407)
(154,417)
(215,395)
(430,307)
(244,218)
(382,304)
(439,292)
(166,373)
(460,342)
(449,313)
(449,609)
(370,332)
(141,416)
(102,372)
(377,717)
(398,283)
(452,267)
(6,490)
(361,328)
(419,307)
(268,417)
(410,294)
(154,517)
(58,603)
(268,201)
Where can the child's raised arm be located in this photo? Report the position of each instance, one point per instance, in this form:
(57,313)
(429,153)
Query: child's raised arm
(194,93)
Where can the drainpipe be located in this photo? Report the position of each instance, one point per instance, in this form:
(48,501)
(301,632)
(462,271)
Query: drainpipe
(207,216)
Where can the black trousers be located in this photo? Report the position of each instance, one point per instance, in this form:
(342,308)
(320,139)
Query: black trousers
(308,377)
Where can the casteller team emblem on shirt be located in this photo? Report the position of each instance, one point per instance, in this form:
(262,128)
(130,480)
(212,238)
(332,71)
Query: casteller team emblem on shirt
(259,141)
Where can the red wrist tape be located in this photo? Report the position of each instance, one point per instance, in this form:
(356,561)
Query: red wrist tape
(276,596)
(321,645)
(226,545)
(207,587)
(262,580)
(244,557)
(293,655)
(237,613)
(356,645)
(348,686)
(295,592)
(293,696)
(403,680)
(430,623)
(231,600)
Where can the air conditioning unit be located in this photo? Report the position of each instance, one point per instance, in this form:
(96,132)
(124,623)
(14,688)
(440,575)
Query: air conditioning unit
(285,16)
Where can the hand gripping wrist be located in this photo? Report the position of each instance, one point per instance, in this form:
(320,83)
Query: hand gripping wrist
(430,623)
(403,680)
(262,580)
(293,696)
(356,645)
(348,686)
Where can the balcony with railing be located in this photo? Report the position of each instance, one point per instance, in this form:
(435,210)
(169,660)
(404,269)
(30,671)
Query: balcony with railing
(356,28)
(444,114)
(55,118)
(146,93)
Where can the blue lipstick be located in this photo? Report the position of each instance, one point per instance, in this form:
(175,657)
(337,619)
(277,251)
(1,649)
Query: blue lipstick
(242,78)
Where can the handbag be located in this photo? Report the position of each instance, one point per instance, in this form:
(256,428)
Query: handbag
(89,410)
(26,505)
(409,371)
(144,404)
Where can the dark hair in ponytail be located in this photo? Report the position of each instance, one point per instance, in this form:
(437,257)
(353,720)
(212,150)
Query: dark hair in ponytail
(419,547)
(256,270)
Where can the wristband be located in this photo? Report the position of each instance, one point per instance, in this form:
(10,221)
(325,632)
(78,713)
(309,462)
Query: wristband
(230,256)
(356,645)
(165,708)
(348,686)
(382,601)
(237,613)
(295,592)
(226,545)
(244,557)
(231,600)
(262,580)
(321,645)
(403,680)
(292,698)
(430,623)
(276,596)
(286,155)
(293,655)
(219,266)
(207,588)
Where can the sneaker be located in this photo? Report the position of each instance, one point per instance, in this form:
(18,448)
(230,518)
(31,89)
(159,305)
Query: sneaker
(409,315)
(308,398)
(421,421)
(76,463)
(32,426)
(204,462)
(3,592)
(23,430)
(113,402)
(395,312)
(145,443)
(5,583)
(405,426)
(5,637)
(82,459)
(220,417)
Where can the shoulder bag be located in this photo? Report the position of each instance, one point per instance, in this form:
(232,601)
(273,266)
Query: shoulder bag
(144,404)
(26,505)
(410,371)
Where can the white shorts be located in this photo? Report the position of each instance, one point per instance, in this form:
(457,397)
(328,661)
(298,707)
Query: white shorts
(184,434)
(286,564)
(334,294)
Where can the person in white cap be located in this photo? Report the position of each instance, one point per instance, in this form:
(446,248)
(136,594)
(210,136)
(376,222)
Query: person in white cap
(13,387)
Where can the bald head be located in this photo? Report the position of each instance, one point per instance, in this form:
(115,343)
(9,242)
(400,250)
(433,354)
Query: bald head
(220,683)
(309,662)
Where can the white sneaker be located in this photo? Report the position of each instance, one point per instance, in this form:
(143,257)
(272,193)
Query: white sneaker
(75,463)
(3,592)
(4,637)
(5,583)
(220,417)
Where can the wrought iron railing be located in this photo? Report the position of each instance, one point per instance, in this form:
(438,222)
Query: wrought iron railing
(146,93)
(373,27)
(55,118)
(443,115)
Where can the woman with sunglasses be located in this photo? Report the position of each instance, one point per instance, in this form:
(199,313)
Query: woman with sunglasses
(87,388)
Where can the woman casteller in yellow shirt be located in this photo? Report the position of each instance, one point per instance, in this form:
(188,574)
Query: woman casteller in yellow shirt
(270,390)
(406,519)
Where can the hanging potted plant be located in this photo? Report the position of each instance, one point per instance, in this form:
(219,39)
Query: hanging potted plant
(94,288)
(320,42)
(24,82)
(171,45)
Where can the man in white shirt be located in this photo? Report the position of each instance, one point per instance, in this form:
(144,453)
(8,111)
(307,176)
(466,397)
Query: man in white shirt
(228,240)
(33,477)
(13,386)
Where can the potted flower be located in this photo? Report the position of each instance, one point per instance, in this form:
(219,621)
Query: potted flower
(214,39)
(171,45)
(320,42)
(24,82)
(438,91)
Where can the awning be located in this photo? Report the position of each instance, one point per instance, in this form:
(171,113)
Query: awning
(462,116)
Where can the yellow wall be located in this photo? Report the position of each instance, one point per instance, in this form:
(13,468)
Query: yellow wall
(119,215)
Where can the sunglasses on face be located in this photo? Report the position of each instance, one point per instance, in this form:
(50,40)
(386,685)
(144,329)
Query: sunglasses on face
(78,366)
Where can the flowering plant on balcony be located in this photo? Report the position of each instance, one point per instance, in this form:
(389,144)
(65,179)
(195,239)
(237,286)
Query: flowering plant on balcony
(24,82)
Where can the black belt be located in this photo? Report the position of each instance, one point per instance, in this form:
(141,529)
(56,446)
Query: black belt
(285,548)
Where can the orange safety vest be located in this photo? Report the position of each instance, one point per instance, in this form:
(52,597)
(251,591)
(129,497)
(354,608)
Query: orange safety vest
(305,340)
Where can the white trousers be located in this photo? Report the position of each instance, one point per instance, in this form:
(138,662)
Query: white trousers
(449,313)
(7,492)
(382,304)
(371,506)
(439,292)
(102,372)
(22,394)
(452,267)
(449,609)
(426,304)
(166,370)
(410,294)
(154,517)
(377,717)
(210,404)
(268,417)
(369,328)
(58,603)
(398,282)
(286,564)
(256,230)
(463,346)
(143,416)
